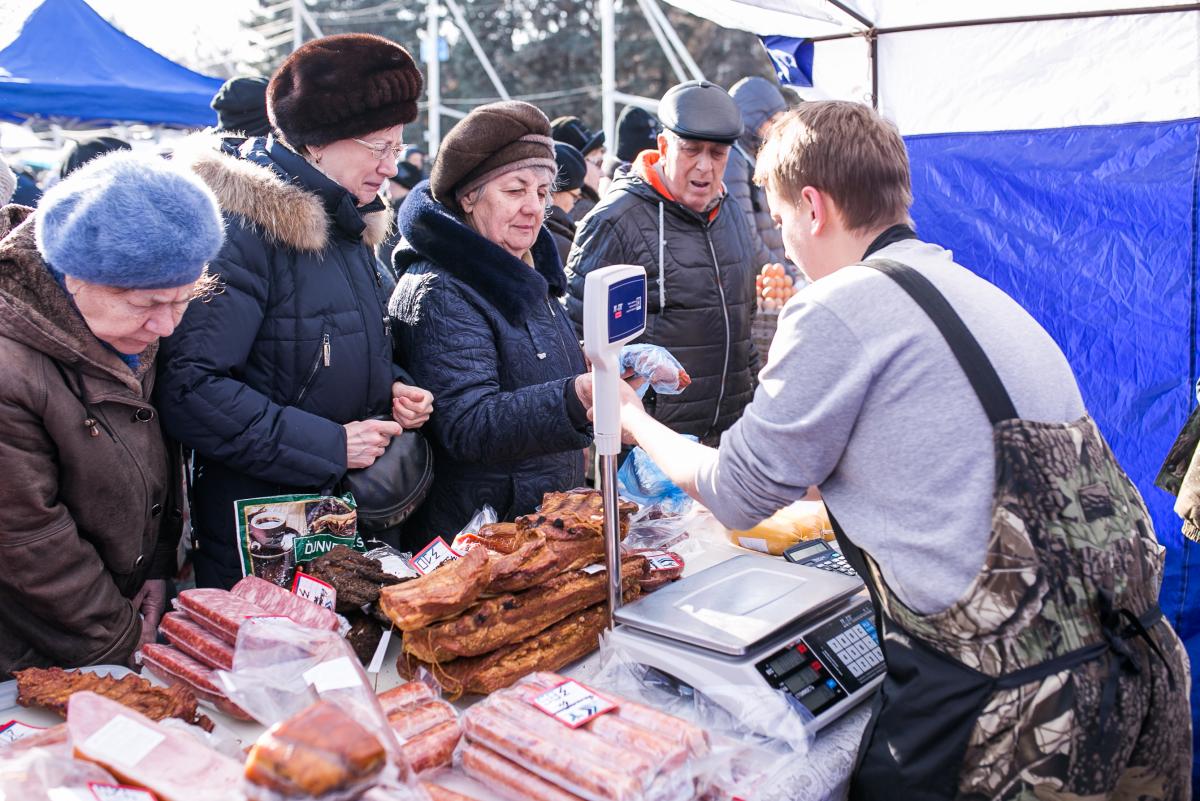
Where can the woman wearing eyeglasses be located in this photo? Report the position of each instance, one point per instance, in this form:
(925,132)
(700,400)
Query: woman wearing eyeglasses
(275,381)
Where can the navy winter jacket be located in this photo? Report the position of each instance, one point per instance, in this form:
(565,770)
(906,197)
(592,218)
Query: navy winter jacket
(483,332)
(260,378)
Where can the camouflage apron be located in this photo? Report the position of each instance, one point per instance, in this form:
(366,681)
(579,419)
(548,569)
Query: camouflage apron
(1055,675)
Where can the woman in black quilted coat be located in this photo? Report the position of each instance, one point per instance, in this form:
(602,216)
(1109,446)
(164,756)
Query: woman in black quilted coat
(478,323)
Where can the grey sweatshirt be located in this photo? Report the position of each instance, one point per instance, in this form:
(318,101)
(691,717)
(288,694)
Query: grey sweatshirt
(862,398)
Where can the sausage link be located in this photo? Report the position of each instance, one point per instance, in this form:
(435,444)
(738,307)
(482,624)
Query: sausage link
(508,779)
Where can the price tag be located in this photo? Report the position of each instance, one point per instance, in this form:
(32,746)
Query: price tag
(573,704)
(661,560)
(592,570)
(311,588)
(118,792)
(335,674)
(432,556)
(16,730)
(123,741)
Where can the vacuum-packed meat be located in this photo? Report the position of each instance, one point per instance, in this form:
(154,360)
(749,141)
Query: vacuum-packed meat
(508,778)
(278,601)
(219,611)
(176,668)
(198,642)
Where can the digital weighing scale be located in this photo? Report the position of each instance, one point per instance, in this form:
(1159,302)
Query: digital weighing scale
(749,633)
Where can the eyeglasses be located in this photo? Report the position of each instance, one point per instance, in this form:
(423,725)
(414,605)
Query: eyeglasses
(382,151)
(597,162)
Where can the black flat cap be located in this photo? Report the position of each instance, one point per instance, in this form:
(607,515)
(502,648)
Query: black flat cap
(701,110)
(572,131)
(571,167)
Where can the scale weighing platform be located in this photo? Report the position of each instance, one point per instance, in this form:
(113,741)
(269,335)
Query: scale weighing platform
(799,636)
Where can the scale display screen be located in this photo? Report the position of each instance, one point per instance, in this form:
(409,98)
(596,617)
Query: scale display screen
(626,308)
(828,664)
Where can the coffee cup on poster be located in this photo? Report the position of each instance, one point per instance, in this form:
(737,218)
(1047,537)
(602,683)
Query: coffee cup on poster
(266,527)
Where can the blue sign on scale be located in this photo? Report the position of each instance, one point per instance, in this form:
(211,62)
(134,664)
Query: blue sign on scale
(626,308)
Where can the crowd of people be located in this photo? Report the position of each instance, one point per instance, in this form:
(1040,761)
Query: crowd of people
(264,312)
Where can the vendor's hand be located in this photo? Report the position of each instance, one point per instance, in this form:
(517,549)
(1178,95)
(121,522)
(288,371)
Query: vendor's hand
(631,405)
(411,406)
(367,439)
(149,602)
(583,387)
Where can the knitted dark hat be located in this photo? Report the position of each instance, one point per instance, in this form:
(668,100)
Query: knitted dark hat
(490,141)
(342,87)
(85,150)
(572,131)
(636,131)
(407,175)
(241,105)
(571,167)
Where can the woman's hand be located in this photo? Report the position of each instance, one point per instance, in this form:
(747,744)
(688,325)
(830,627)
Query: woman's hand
(411,406)
(149,603)
(367,439)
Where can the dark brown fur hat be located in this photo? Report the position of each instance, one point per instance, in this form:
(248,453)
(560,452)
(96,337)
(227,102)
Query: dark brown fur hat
(491,140)
(341,87)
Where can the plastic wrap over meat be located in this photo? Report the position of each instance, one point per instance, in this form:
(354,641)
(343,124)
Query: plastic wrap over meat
(281,669)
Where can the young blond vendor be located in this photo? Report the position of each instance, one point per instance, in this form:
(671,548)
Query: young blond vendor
(1012,562)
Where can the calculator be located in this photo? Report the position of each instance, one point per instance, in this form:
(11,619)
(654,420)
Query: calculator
(818,553)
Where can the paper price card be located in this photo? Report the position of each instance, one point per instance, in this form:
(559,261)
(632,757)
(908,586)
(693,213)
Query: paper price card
(311,588)
(123,741)
(335,674)
(16,730)
(433,556)
(661,560)
(118,792)
(573,704)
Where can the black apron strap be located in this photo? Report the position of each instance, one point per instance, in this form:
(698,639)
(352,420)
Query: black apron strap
(966,349)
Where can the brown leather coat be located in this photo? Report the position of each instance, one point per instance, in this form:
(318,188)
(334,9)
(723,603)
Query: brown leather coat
(86,508)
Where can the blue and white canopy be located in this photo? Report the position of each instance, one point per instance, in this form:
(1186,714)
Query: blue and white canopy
(1059,157)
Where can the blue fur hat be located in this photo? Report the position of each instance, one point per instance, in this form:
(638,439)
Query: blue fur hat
(129,221)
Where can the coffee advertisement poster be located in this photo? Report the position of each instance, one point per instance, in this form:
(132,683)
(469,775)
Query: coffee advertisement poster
(279,533)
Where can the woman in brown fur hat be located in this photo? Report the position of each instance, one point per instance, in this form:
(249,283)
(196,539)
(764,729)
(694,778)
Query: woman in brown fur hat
(274,382)
(478,319)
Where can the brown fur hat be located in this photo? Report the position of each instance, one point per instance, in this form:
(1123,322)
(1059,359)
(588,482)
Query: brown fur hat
(490,141)
(341,87)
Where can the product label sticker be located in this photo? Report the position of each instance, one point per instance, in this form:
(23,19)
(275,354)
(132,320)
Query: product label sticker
(573,704)
(754,544)
(592,570)
(381,649)
(433,556)
(661,560)
(335,674)
(311,588)
(67,794)
(15,730)
(118,792)
(122,741)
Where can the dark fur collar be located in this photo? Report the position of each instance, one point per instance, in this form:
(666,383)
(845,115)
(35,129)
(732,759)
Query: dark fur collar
(433,232)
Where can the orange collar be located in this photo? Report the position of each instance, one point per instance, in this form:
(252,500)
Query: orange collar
(644,165)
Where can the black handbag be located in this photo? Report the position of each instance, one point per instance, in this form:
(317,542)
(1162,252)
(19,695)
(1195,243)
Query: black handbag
(393,487)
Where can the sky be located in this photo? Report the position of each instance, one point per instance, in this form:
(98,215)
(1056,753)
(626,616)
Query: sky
(201,34)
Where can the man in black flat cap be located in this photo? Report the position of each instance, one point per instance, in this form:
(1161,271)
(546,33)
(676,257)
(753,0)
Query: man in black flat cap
(568,188)
(669,214)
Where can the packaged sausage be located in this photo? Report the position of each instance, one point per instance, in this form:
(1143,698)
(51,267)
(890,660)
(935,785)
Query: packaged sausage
(45,774)
(172,764)
(281,669)
(278,601)
(174,667)
(803,520)
(579,741)
(221,612)
(427,727)
(196,641)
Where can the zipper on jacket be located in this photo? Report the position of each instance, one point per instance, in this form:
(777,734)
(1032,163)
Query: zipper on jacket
(558,328)
(728,333)
(322,357)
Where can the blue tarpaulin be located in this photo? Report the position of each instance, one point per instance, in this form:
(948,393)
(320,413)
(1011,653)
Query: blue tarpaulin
(69,62)
(1094,231)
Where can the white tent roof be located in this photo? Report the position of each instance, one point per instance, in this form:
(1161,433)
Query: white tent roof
(956,75)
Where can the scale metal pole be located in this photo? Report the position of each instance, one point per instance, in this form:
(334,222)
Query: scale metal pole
(612,533)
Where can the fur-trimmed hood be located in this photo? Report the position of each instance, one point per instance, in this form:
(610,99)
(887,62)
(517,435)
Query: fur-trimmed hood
(35,311)
(433,232)
(288,199)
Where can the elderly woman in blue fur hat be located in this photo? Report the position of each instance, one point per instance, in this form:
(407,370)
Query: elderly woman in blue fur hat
(89,508)
(479,323)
